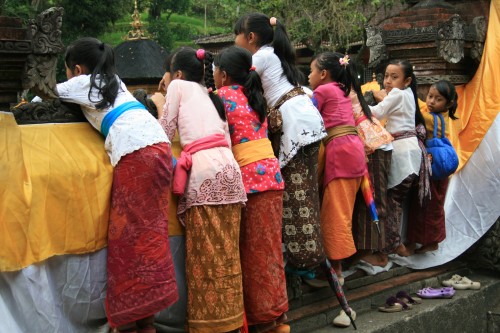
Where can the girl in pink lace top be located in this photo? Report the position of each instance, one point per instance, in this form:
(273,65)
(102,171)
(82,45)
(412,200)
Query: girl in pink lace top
(213,195)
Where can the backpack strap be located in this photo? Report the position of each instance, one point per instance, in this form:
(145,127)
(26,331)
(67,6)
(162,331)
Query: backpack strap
(436,115)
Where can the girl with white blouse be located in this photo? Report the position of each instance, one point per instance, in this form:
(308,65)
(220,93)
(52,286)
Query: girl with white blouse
(140,270)
(398,105)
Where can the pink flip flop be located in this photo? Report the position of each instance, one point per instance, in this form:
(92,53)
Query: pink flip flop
(446,292)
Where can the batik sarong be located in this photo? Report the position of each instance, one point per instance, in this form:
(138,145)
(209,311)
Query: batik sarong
(141,278)
(213,269)
(364,230)
(301,212)
(264,284)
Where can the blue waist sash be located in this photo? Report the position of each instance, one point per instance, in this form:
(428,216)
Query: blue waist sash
(110,118)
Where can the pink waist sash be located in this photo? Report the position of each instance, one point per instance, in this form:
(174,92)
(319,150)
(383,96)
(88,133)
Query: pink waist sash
(185,162)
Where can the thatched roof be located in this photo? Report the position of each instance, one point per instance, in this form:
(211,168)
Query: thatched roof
(140,59)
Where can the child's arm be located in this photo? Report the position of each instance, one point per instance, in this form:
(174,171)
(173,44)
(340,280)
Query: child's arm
(76,90)
(389,104)
(170,110)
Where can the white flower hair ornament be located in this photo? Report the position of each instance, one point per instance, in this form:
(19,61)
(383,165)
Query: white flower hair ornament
(344,61)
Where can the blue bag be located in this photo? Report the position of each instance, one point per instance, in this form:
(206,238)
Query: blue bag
(443,155)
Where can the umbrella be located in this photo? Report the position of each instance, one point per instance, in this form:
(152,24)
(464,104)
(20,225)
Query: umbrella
(367,190)
(337,288)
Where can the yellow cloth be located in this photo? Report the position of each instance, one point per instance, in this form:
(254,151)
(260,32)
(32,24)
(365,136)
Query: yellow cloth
(55,185)
(175,228)
(479,100)
(338,131)
(429,124)
(252,151)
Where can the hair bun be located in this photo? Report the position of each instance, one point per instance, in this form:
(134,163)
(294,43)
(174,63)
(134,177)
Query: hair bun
(200,54)
(273,20)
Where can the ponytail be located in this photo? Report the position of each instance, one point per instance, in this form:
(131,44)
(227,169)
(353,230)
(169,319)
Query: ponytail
(284,50)
(99,59)
(237,63)
(196,66)
(344,73)
(262,26)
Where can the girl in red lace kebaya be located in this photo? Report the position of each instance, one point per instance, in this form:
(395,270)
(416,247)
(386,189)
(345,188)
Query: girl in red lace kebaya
(264,285)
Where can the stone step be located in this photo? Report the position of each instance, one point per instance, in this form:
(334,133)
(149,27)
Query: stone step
(469,311)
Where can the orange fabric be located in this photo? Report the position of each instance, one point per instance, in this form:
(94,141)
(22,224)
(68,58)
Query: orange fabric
(336,217)
(252,151)
(175,228)
(479,100)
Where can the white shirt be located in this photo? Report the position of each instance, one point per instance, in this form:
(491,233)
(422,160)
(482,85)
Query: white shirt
(398,107)
(302,122)
(131,131)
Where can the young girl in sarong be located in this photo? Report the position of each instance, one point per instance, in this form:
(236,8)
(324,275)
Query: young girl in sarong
(141,278)
(296,129)
(209,180)
(370,237)
(331,79)
(398,103)
(264,285)
(426,224)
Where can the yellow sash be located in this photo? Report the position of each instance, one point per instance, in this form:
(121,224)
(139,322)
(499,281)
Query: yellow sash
(338,131)
(252,151)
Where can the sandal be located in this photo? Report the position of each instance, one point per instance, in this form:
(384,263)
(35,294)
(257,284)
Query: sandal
(451,281)
(446,292)
(342,320)
(464,283)
(392,304)
(403,296)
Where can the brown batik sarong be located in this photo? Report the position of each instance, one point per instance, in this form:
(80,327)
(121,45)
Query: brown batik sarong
(213,269)
(301,211)
(364,230)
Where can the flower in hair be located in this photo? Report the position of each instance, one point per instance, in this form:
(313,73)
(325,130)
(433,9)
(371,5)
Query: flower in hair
(273,21)
(252,68)
(344,61)
(200,54)
(211,91)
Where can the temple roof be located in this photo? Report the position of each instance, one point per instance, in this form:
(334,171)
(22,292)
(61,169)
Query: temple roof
(140,59)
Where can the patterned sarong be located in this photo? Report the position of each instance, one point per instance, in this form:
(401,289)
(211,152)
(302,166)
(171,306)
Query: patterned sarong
(364,230)
(264,284)
(301,223)
(141,278)
(213,269)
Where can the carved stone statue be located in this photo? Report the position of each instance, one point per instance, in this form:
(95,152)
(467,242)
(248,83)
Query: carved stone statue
(375,43)
(40,74)
(478,32)
(451,39)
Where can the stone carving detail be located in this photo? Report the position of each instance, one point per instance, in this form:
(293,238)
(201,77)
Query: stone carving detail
(40,73)
(455,79)
(15,46)
(478,30)
(451,39)
(375,42)
(414,35)
(51,111)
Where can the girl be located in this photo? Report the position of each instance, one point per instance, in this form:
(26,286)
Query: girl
(264,285)
(209,180)
(398,103)
(345,164)
(426,224)
(378,149)
(141,277)
(296,128)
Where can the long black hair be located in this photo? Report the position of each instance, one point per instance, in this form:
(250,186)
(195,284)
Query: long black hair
(408,72)
(237,63)
(99,59)
(448,91)
(197,67)
(260,25)
(345,75)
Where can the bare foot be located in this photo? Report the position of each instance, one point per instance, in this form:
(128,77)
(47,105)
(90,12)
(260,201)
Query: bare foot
(376,259)
(427,248)
(402,251)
